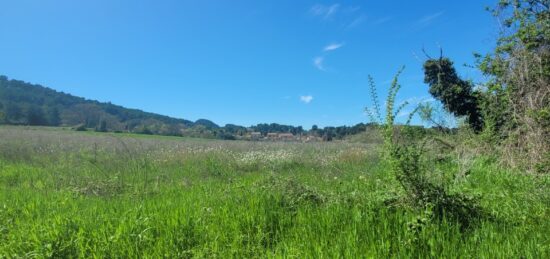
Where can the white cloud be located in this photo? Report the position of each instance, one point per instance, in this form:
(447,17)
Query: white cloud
(428,19)
(325,11)
(333,46)
(318,63)
(306,98)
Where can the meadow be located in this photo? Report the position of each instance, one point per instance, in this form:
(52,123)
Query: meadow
(104,195)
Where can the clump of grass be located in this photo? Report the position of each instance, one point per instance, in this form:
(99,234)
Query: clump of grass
(293,194)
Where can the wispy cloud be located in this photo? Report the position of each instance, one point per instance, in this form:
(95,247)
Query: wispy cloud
(324,11)
(333,46)
(347,16)
(318,63)
(428,19)
(357,21)
(306,99)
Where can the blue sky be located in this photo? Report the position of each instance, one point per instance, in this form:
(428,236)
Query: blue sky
(242,62)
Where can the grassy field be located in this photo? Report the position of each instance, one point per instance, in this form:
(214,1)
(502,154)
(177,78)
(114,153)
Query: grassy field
(83,194)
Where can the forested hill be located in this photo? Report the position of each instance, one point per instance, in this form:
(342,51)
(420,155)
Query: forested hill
(23,103)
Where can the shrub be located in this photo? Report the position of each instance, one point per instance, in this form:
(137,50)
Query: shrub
(405,153)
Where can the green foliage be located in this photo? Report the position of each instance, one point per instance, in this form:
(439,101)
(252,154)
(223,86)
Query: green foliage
(495,106)
(53,117)
(2,114)
(151,197)
(265,128)
(34,115)
(374,113)
(225,135)
(529,21)
(144,130)
(455,94)
(404,152)
(516,100)
(206,123)
(423,193)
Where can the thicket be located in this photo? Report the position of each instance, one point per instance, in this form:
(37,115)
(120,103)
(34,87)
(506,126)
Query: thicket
(511,111)
(518,95)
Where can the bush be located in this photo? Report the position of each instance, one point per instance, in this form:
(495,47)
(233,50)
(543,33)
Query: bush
(404,152)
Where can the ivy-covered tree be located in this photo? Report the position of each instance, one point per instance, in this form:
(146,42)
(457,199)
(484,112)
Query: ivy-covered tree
(456,94)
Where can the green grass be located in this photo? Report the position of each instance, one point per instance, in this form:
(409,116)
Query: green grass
(76,194)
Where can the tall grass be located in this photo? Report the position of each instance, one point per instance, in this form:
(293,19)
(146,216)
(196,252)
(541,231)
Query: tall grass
(77,194)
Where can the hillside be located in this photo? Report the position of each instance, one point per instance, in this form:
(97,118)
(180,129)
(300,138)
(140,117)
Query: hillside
(23,103)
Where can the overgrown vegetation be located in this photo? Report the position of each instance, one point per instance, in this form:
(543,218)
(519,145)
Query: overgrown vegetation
(406,156)
(87,194)
(512,109)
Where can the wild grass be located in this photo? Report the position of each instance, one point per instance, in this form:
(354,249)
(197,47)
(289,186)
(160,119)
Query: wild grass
(78,194)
